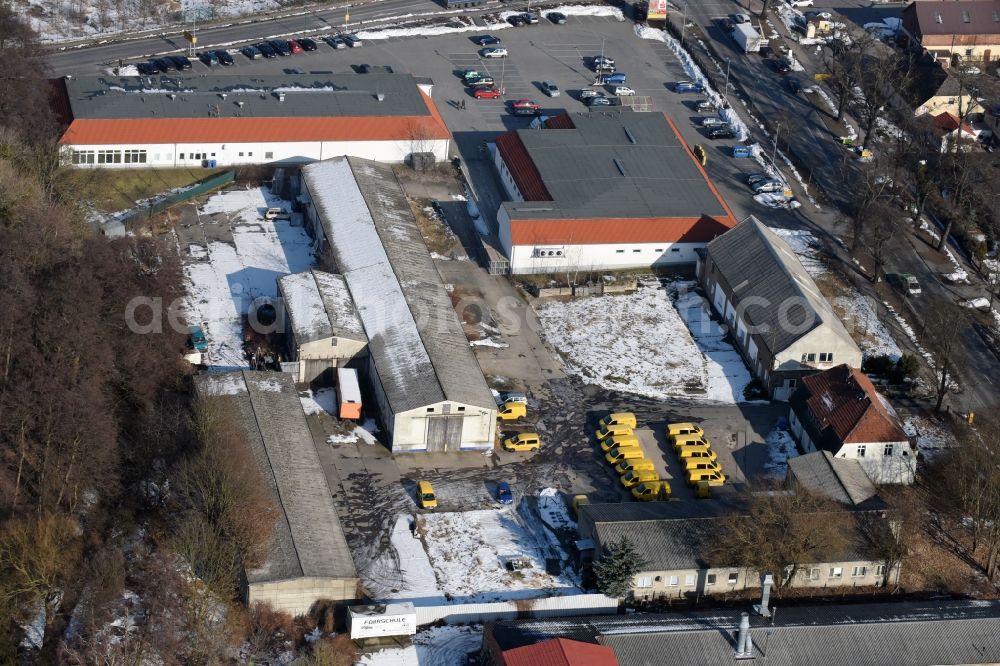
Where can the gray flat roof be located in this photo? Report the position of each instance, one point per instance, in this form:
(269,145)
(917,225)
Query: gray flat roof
(882,634)
(308,540)
(319,95)
(319,306)
(415,339)
(615,164)
(840,479)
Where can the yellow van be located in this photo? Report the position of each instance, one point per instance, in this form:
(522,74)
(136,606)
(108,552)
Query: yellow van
(512,410)
(651,490)
(696,465)
(618,418)
(690,440)
(711,477)
(425,495)
(635,477)
(637,464)
(622,453)
(619,440)
(612,430)
(681,429)
(524,441)
(699,453)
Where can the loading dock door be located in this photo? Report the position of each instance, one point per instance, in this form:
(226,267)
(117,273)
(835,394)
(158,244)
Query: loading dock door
(444,433)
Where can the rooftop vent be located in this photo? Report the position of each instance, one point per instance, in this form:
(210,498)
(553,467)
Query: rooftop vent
(171,95)
(744,646)
(281,97)
(239,104)
(937,17)
(621,167)
(222,95)
(996,16)
(966,18)
(380,97)
(629,135)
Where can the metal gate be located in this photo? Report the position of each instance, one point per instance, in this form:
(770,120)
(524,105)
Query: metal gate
(444,433)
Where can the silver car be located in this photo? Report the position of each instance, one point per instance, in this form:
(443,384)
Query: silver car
(551,89)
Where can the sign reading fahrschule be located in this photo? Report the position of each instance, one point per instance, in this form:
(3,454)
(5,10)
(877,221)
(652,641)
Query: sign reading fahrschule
(382,620)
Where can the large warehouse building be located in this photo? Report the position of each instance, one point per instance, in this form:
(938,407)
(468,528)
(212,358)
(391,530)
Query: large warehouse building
(609,190)
(169,121)
(430,390)
(308,560)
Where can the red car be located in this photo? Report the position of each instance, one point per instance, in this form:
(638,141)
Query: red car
(526,104)
(294,46)
(486,93)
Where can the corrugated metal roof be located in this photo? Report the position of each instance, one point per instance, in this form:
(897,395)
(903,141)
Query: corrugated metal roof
(582,231)
(614,165)
(840,479)
(844,401)
(415,339)
(894,633)
(319,306)
(764,272)
(308,540)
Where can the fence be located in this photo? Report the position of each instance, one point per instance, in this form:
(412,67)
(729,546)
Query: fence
(578,604)
(160,204)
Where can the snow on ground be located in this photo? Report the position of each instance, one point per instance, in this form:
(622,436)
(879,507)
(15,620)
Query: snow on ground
(859,315)
(803,244)
(932,438)
(909,332)
(587,10)
(695,74)
(323,400)
(639,343)
(221,289)
(436,646)
(365,432)
(469,552)
(414,581)
(780,447)
(553,510)
(429,30)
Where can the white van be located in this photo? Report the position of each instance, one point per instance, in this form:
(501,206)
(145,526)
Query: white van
(277,213)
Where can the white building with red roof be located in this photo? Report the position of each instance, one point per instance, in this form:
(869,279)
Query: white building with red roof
(172,121)
(604,190)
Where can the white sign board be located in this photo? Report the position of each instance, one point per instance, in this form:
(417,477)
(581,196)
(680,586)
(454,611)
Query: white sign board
(382,620)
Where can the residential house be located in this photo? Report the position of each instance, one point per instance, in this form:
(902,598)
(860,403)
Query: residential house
(955,135)
(937,631)
(783,326)
(954,98)
(954,32)
(322,328)
(674,537)
(840,411)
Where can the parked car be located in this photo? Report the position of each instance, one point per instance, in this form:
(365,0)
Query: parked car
(557,17)
(488,40)
(530,18)
(604,61)
(713,121)
(307,44)
(517,20)
(587,93)
(180,62)
(251,52)
(523,441)
(688,86)
(618,78)
(504,496)
(266,50)
(336,41)
(353,41)
(470,75)
(147,68)
(495,52)
(742,151)
(224,58)
(486,93)
(165,65)
(765,51)
(363,69)
(525,104)
(704,106)
(600,100)
(794,86)
(551,89)
(196,338)
(740,18)
(623,91)
(294,46)
(425,495)
(755,178)
(721,133)
(768,186)
(483,82)
(780,65)
(281,47)
(209,58)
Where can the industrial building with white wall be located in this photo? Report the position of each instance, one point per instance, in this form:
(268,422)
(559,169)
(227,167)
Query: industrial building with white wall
(172,121)
(429,390)
(604,190)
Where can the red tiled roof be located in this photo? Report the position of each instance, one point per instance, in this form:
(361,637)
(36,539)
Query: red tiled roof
(522,168)
(561,652)
(256,130)
(618,230)
(949,122)
(844,400)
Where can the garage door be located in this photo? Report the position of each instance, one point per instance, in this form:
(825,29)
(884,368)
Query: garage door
(444,433)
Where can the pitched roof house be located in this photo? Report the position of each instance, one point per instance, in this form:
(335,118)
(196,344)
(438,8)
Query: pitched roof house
(953,97)
(842,480)
(840,411)
(953,32)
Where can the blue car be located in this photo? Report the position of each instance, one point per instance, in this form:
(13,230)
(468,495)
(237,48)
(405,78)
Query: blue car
(617,78)
(197,339)
(688,86)
(504,496)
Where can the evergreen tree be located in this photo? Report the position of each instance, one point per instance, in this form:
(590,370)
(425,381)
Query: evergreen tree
(616,568)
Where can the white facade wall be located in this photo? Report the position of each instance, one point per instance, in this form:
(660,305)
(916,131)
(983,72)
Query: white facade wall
(528,259)
(883,462)
(478,426)
(237,154)
(513,193)
(298,595)
(820,340)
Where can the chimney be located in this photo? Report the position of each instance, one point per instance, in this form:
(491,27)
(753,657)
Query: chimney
(222,95)
(744,636)
(240,104)
(766,581)
(380,97)
(171,96)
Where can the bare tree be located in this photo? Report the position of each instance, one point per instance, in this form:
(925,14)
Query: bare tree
(874,181)
(881,76)
(884,224)
(943,327)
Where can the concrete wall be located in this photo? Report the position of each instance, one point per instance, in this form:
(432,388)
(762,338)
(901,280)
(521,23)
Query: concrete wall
(333,352)
(236,154)
(411,427)
(298,595)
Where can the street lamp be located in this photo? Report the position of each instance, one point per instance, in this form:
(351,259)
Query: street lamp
(774,153)
(725,88)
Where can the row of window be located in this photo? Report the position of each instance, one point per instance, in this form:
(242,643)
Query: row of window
(659,250)
(430,410)
(109,156)
(812,573)
(887,450)
(826,357)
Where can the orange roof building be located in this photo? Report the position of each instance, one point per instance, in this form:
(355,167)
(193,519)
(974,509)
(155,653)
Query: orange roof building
(171,121)
(609,190)
(839,410)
